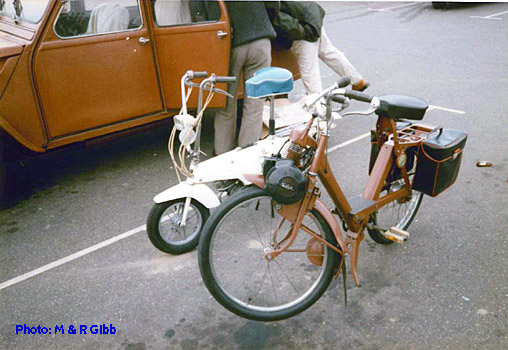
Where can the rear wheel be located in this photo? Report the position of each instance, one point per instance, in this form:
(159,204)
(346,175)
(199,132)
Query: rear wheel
(233,266)
(399,213)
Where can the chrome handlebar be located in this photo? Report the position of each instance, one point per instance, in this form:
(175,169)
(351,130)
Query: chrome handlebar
(334,91)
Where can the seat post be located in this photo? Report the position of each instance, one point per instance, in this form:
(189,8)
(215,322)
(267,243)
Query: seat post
(271,123)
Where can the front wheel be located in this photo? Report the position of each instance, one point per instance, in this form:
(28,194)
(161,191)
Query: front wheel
(165,230)
(232,258)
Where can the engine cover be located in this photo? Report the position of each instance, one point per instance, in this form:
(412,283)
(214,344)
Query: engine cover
(285,182)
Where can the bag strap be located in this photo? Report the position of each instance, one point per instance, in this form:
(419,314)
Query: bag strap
(436,129)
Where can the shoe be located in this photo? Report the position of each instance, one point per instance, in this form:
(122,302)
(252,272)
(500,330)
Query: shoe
(361,85)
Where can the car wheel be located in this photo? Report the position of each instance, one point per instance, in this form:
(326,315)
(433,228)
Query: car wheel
(438,5)
(2,172)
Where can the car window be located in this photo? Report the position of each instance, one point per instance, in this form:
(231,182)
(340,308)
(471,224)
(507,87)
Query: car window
(185,12)
(90,17)
(31,10)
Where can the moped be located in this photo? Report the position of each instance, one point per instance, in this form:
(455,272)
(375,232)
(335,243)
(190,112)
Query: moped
(270,251)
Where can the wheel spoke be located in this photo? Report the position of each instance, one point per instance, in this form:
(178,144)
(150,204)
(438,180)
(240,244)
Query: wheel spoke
(260,285)
(169,224)
(256,227)
(273,285)
(285,275)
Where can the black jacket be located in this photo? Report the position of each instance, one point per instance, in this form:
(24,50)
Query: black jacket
(250,21)
(298,20)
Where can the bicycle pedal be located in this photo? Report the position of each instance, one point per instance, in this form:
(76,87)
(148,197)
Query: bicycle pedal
(396,235)
(400,232)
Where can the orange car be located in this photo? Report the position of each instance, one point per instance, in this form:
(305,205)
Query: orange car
(80,70)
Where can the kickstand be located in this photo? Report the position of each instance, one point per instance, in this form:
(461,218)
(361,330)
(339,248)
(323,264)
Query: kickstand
(342,266)
(344,280)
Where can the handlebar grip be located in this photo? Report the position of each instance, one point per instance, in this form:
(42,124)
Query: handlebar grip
(226,80)
(360,96)
(339,99)
(200,74)
(344,81)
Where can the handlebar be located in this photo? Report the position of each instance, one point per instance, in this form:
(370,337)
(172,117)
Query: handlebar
(200,74)
(359,96)
(343,82)
(190,74)
(339,99)
(227,80)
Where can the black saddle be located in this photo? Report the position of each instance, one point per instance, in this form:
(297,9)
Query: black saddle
(401,107)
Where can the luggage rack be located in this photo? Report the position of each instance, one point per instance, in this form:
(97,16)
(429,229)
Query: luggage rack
(414,133)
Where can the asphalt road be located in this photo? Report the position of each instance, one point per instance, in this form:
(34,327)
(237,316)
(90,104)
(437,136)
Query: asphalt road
(446,288)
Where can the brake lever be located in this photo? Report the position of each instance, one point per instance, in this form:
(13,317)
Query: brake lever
(220,91)
(189,83)
(374,105)
(342,107)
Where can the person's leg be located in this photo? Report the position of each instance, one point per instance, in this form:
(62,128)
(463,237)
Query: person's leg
(308,64)
(336,60)
(225,119)
(259,56)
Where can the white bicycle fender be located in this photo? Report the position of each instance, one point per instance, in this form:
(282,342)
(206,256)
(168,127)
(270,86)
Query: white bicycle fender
(200,192)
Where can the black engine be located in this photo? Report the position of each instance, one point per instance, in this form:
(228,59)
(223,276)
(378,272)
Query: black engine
(283,180)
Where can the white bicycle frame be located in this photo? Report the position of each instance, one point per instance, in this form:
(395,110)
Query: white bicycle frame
(232,165)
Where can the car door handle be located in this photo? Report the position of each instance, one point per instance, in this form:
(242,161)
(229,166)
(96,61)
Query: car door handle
(143,40)
(221,34)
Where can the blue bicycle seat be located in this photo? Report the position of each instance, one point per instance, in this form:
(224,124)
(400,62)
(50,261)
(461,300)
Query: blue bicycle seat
(269,81)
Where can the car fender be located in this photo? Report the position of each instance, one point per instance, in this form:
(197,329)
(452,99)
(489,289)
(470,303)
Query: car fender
(199,192)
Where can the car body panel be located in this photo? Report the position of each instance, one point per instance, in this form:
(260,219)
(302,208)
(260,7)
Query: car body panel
(98,80)
(197,43)
(9,47)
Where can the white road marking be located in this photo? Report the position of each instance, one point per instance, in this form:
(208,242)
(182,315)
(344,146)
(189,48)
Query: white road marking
(71,257)
(485,17)
(491,16)
(394,7)
(431,107)
(344,144)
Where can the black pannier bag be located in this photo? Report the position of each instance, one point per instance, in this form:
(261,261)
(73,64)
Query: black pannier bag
(438,164)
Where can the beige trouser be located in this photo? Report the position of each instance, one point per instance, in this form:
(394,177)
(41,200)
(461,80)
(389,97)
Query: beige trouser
(246,59)
(308,55)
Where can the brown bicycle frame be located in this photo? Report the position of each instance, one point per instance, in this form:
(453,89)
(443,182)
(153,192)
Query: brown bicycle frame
(392,144)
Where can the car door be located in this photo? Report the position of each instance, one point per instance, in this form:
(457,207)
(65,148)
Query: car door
(189,35)
(95,67)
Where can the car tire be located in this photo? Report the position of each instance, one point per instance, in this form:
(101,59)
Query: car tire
(438,5)
(3,177)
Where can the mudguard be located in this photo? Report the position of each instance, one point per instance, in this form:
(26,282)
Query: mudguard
(199,192)
(330,219)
